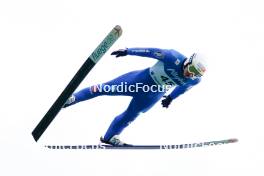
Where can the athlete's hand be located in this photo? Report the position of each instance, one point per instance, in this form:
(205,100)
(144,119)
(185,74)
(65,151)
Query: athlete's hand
(166,101)
(120,52)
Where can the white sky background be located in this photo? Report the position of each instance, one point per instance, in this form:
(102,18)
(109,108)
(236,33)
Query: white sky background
(43,44)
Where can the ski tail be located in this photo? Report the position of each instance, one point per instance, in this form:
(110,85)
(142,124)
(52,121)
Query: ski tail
(96,55)
(149,147)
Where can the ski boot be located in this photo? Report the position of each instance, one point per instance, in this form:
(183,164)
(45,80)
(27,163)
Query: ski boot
(115,141)
(70,101)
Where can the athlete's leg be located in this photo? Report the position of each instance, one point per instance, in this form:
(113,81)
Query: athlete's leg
(108,88)
(140,103)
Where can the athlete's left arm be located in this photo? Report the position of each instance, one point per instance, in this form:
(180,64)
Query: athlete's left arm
(182,89)
(155,53)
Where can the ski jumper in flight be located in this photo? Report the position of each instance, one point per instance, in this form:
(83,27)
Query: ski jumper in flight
(146,87)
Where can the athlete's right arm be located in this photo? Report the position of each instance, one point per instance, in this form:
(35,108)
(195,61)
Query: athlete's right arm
(155,53)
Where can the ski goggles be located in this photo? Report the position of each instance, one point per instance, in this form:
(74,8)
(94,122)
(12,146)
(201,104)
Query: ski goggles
(193,70)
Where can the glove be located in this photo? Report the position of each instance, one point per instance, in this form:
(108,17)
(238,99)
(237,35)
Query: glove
(166,101)
(120,52)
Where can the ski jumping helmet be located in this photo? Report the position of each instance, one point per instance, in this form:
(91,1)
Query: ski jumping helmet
(196,65)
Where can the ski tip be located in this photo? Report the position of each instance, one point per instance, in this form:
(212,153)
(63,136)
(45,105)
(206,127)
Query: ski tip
(233,140)
(118,29)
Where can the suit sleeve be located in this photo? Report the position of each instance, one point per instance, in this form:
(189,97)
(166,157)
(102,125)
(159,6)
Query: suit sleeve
(182,89)
(156,53)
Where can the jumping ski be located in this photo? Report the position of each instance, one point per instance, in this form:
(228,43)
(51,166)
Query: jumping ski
(96,55)
(149,147)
